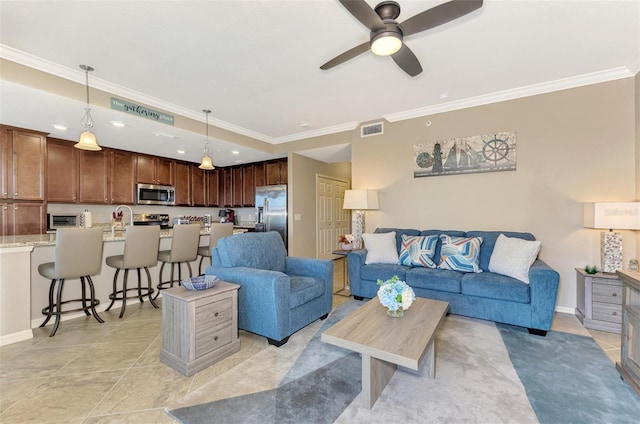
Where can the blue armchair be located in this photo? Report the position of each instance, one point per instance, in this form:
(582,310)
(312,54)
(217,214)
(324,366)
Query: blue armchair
(279,294)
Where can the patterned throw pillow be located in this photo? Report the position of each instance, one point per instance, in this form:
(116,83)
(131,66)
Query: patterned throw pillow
(460,253)
(418,250)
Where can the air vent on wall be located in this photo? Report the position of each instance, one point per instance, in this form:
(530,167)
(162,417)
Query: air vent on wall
(371,129)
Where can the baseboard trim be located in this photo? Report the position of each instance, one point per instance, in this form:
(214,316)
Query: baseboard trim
(16,337)
(566,310)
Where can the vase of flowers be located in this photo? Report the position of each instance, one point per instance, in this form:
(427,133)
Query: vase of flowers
(396,296)
(346,241)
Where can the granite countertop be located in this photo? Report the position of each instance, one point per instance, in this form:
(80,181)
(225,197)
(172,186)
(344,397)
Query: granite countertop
(50,239)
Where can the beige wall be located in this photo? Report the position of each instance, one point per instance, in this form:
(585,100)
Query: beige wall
(573,146)
(302,200)
(637,152)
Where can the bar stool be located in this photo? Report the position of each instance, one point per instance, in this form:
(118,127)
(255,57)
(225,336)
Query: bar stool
(140,251)
(78,254)
(218,231)
(184,249)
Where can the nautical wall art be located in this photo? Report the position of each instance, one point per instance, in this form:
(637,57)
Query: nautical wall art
(467,155)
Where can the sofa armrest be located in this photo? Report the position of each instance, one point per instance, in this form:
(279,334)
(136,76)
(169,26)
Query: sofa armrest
(263,299)
(543,282)
(355,261)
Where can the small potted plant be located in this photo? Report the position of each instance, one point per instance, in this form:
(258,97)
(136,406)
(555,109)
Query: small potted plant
(346,240)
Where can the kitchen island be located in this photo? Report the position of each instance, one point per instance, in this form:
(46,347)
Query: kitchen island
(24,292)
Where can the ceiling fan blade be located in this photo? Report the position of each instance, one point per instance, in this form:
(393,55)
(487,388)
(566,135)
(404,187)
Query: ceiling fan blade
(348,55)
(407,61)
(439,15)
(364,13)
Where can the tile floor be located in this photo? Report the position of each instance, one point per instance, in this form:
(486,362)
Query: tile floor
(94,373)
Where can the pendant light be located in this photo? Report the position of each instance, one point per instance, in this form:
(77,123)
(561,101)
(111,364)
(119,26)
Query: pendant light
(206,162)
(87,138)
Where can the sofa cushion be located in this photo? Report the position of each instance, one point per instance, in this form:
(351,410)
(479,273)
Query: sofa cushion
(383,272)
(418,251)
(381,248)
(399,232)
(460,253)
(489,240)
(495,286)
(253,250)
(304,289)
(513,257)
(434,279)
(452,233)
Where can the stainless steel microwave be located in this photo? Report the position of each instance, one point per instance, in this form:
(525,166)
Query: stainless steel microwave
(62,220)
(149,194)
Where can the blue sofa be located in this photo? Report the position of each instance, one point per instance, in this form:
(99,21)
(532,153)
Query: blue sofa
(484,295)
(278,294)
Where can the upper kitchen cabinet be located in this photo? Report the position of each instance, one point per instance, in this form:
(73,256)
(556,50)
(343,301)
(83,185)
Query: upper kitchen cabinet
(122,177)
(237,187)
(93,168)
(155,170)
(22,218)
(62,171)
(22,164)
(248,186)
(183,184)
(259,174)
(276,172)
(198,186)
(227,187)
(213,188)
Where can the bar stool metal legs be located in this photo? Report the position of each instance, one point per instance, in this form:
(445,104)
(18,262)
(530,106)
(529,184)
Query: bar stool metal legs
(122,294)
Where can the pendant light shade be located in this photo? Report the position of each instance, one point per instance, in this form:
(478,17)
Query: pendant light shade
(206,162)
(87,138)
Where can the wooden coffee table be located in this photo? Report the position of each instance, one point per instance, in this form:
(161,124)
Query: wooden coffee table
(386,342)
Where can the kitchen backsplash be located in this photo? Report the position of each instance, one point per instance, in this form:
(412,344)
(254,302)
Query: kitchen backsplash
(102,213)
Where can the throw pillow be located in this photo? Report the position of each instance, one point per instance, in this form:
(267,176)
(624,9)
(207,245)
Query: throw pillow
(381,248)
(513,257)
(418,250)
(460,253)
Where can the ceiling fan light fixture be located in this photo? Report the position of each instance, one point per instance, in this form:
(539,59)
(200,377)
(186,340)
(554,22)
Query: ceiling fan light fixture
(87,138)
(386,43)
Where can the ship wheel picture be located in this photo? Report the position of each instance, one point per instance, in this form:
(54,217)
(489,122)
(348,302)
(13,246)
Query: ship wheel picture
(495,150)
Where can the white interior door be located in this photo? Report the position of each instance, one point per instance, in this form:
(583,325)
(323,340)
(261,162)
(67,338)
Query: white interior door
(332,220)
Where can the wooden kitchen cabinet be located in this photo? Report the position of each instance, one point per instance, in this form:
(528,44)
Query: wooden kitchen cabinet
(122,177)
(259,174)
(23,218)
(93,168)
(155,170)
(213,188)
(22,165)
(62,171)
(183,184)
(198,186)
(248,186)
(237,187)
(277,172)
(227,187)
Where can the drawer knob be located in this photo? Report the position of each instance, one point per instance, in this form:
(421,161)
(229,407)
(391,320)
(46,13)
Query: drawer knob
(614,294)
(215,338)
(216,314)
(615,313)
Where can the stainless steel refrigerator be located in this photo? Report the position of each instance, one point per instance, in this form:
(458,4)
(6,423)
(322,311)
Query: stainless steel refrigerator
(271,209)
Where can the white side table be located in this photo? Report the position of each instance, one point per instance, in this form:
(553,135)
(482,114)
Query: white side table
(199,327)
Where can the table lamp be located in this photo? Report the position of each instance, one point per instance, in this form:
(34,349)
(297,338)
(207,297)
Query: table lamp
(612,216)
(359,201)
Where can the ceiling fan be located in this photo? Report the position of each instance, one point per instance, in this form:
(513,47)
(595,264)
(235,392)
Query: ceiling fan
(386,37)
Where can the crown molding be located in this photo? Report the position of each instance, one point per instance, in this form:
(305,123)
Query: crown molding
(516,93)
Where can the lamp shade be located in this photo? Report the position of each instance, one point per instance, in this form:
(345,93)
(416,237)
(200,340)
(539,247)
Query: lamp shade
(612,215)
(360,199)
(87,142)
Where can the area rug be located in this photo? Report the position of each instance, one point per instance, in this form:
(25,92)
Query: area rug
(485,373)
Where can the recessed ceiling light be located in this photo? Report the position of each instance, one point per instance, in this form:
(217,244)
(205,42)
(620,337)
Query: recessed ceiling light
(444,96)
(162,134)
(305,125)
(118,124)
(59,127)
(181,152)
(235,152)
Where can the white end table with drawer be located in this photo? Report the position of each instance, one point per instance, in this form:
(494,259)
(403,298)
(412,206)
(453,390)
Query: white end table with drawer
(199,327)
(599,301)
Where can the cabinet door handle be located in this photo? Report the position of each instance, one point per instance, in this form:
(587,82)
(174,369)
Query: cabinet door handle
(215,338)
(614,294)
(216,314)
(614,313)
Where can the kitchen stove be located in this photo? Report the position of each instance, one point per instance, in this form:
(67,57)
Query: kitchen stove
(160,219)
